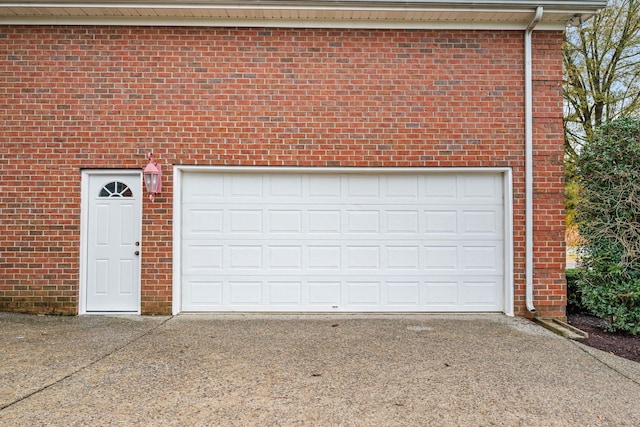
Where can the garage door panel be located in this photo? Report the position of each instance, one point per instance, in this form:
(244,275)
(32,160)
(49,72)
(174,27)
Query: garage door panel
(402,258)
(285,221)
(203,222)
(204,259)
(485,187)
(363,221)
(285,187)
(324,222)
(402,222)
(242,221)
(327,188)
(245,257)
(362,258)
(245,293)
(244,187)
(401,189)
(480,258)
(441,222)
(284,293)
(324,257)
(441,187)
(442,293)
(323,294)
(464,223)
(481,222)
(440,257)
(362,187)
(481,294)
(362,293)
(403,294)
(284,258)
(203,294)
(203,188)
(347,242)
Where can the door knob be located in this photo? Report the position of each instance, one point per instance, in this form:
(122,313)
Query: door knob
(137,252)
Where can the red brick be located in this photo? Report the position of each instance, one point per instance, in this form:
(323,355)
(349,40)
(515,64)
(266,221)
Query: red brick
(84,97)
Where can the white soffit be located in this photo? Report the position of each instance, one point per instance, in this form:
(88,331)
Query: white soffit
(488,14)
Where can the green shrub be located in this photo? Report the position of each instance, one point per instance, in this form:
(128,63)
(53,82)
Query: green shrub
(617,300)
(574,294)
(608,217)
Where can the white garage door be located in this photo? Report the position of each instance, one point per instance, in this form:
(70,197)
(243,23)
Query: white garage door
(342,241)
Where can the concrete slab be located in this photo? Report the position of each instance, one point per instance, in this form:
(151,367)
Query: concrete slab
(562,328)
(302,370)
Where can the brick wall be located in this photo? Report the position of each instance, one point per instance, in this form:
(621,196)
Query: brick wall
(101,97)
(548,158)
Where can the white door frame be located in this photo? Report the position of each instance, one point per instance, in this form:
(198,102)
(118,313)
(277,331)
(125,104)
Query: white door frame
(505,172)
(84,230)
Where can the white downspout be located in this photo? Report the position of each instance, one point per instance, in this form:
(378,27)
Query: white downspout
(528,125)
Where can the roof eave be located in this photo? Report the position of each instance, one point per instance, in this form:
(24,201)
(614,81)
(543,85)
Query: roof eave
(486,14)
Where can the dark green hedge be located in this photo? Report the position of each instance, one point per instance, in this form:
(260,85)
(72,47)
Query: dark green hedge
(608,217)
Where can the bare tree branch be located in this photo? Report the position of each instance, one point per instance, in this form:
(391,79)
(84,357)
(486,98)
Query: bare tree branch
(602,64)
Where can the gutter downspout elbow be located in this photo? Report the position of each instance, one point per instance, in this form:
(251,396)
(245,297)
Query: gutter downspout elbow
(528,90)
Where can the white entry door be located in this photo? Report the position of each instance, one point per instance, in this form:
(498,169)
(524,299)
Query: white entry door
(113,242)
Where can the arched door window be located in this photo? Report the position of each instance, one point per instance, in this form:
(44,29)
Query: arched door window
(115,189)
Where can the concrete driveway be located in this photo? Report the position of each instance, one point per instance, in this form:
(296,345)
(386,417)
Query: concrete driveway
(306,370)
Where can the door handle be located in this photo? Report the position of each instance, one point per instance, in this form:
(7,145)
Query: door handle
(137,253)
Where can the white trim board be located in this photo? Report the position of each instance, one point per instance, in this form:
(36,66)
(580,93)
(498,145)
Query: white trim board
(84,227)
(506,173)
